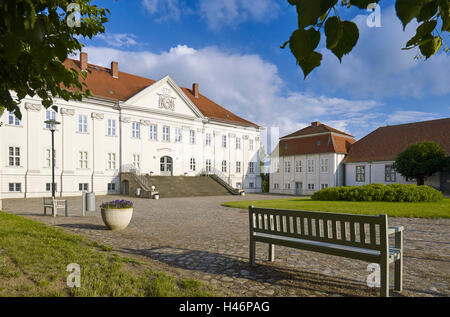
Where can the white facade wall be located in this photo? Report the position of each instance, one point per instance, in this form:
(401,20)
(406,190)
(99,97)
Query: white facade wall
(375,173)
(300,183)
(33,139)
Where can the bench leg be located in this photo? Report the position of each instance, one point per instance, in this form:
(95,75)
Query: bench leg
(384,278)
(271,252)
(398,265)
(252,252)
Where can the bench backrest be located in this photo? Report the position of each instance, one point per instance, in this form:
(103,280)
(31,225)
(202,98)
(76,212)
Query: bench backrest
(362,231)
(48,200)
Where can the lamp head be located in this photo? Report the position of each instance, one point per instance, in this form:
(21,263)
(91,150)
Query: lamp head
(52,124)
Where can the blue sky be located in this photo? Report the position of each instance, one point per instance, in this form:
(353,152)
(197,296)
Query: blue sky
(232,49)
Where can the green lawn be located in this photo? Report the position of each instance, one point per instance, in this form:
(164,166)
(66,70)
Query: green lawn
(34,257)
(439,209)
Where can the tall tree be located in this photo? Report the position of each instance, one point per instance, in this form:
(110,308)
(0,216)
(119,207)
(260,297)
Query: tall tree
(36,36)
(420,161)
(342,36)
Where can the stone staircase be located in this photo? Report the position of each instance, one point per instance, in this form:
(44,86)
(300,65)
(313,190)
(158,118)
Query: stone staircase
(186,186)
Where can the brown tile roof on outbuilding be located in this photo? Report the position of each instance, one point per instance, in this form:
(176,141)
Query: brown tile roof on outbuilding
(315,139)
(102,84)
(385,143)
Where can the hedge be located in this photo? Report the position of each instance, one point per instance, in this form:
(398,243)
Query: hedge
(380,192)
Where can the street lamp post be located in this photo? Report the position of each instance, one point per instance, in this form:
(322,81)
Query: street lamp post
(52,126)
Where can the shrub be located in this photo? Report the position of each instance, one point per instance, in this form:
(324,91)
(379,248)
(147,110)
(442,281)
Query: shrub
(380,192)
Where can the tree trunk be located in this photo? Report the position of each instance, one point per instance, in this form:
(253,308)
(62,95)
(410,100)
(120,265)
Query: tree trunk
(420,180)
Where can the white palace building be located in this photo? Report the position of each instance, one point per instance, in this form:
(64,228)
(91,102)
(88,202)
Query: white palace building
(130,122)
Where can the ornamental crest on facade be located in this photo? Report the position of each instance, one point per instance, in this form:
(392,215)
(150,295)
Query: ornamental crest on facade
(166,101)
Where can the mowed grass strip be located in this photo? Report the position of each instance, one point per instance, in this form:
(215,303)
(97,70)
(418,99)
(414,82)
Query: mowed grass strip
(440,209)
(34,258)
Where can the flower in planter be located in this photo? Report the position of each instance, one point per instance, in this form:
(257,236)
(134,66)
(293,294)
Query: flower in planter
(117,204)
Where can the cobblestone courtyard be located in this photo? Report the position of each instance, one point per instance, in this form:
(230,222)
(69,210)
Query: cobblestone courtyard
(198,238)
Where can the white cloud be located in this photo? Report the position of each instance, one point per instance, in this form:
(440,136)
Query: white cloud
(218,13)
(119,39)
(243,83)
(378,67)
(410,116)
(165,9)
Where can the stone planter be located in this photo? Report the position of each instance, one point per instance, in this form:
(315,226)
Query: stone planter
(117,219)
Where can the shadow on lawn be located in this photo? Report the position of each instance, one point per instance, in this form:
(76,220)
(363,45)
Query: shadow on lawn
(307,283)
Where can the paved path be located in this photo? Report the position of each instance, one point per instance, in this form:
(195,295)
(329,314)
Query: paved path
(198,238)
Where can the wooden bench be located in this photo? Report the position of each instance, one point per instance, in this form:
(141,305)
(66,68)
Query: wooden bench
(360,237)
(54,204)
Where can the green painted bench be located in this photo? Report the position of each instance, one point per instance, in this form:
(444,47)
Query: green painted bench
(360,237)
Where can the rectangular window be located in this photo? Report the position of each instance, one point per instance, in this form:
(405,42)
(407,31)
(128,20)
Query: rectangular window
(311,186)
(48,158)
(360,173)
(287,166)
(15,187)
(277,167)
(192,136)
(251,167)
(12,119)
(310,166)
(14,156)
(153,132)
(136,160)
(251,185)
(82,123)
(238,167)
(250,144)
(224,141)
(111,127)
(324,165)
(83,186)
(298,166)
(322,186)
(287,186)
(48,187)
(276,186)
(238,143)
(208,139)
(178,135)
(111,187)
(224,166)
(136,130)
(192,165)
(111,161)
(82,159)
(208,166)
(166,133)
(49,115)
(389,173)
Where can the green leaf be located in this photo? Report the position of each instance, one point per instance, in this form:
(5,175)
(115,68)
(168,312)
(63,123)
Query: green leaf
(309,11)
(363,4)
(408,9)
(333,30)
(311,62)
(303,42)
(423,30)
(444,12)
(427,11)
(293,2)
(430,46)
(347,41)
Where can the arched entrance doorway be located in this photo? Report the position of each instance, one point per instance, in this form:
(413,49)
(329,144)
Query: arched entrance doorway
(166,166)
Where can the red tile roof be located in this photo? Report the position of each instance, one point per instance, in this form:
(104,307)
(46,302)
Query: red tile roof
(101,83)
(309,141)
(316,127)
(385,143)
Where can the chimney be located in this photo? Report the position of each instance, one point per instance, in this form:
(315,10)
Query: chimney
(115,69)
(315,123)
(195,89)
(83,61)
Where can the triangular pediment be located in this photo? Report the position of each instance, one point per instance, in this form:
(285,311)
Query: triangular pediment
(165,96)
